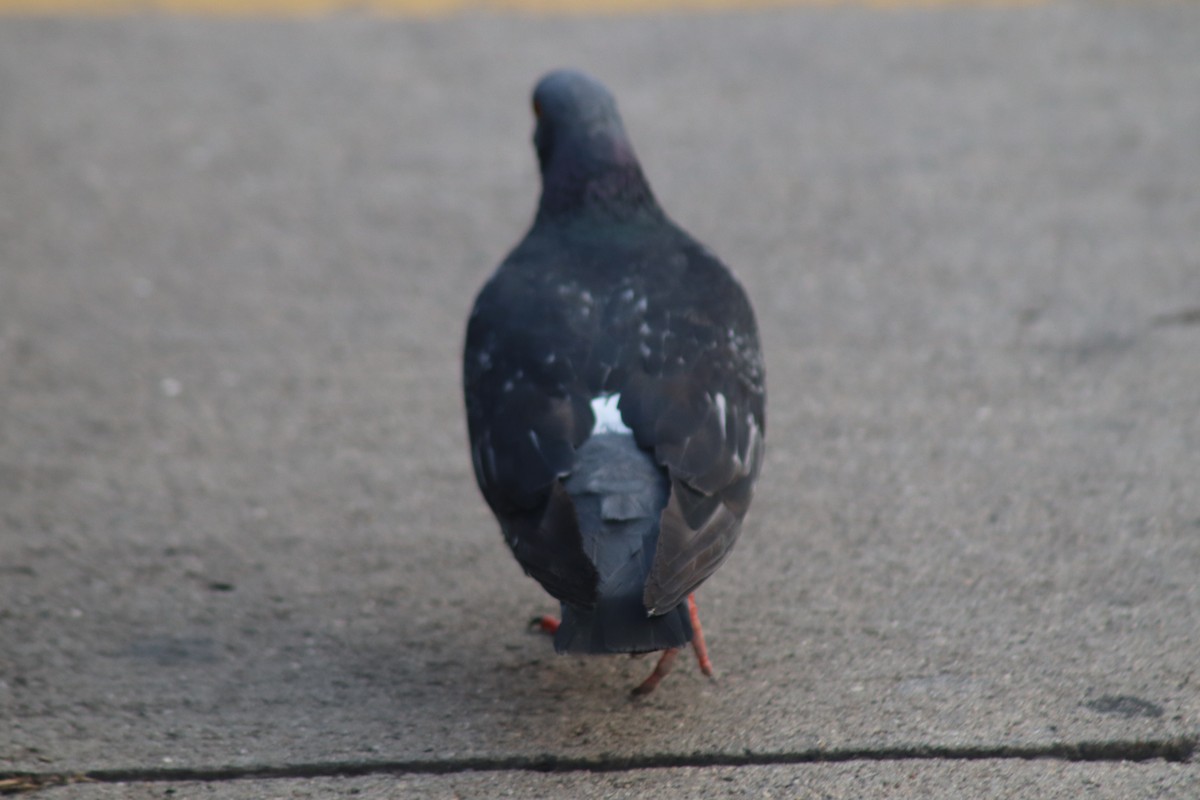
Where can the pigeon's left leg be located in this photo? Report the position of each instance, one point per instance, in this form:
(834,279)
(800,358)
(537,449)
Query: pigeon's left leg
(660,671)
(545,624)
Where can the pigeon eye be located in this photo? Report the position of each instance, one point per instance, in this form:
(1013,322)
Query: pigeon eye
(537,109)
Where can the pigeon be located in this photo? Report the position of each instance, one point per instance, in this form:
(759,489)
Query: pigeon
(615,394)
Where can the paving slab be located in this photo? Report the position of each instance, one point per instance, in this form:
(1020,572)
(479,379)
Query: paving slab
(238,529)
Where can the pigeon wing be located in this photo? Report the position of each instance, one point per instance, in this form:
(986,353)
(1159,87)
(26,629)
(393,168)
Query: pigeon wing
(698,402)
(525,421)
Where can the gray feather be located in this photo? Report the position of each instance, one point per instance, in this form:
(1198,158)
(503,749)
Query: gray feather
(619,493)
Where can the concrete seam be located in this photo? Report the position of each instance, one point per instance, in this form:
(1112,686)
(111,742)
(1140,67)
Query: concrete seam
(1178,750)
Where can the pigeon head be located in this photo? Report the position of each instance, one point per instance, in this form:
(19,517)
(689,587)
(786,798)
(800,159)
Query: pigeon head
(586,160)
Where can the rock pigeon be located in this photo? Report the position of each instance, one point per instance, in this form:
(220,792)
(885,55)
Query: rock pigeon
(615,393)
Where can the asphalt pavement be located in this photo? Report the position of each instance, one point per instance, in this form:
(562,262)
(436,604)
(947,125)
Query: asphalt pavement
(241,551)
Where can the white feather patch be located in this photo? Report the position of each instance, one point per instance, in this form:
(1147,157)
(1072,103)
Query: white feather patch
(608,416)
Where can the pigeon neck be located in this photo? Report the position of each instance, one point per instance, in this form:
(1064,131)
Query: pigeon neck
(613,188)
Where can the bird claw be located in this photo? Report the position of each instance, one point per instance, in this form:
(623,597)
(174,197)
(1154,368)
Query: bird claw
(660,671)
(667,660)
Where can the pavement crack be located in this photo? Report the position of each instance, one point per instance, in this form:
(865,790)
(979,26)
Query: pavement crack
(1179,749)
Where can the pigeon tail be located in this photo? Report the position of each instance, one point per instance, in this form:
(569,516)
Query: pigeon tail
(619,493)
(620,625)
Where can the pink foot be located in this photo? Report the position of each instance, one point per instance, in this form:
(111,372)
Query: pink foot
(698,638)
(660,671)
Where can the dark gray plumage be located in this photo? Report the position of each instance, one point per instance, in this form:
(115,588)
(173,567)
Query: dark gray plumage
(607,305)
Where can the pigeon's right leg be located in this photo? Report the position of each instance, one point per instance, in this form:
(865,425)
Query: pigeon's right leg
(698,646)
(545,624)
